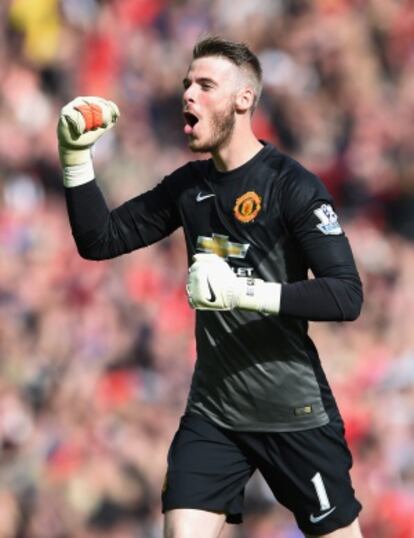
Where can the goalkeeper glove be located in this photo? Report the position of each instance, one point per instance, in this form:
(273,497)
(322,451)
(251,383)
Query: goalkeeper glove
(212,285)
(81,123)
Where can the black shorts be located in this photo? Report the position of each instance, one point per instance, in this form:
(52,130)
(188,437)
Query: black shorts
(308,472)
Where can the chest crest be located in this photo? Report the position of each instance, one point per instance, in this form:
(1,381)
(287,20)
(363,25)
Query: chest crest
(247,206)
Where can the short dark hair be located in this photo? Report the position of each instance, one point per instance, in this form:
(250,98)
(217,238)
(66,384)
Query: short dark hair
(238,53)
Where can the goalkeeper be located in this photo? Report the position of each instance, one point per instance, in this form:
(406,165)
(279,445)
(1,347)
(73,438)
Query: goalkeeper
(255,221)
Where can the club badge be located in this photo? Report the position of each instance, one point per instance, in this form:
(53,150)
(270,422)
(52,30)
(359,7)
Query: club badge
(247,206)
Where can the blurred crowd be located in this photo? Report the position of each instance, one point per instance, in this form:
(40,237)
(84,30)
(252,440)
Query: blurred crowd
(96,358)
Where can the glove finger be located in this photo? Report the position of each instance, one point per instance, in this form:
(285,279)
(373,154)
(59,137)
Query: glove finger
(92,116)
(199,270)
(115,110)
(205,257)
(189,295)
(74,117)
(195,267)
(85,114)
(75,122)
(110,110)
(197,283)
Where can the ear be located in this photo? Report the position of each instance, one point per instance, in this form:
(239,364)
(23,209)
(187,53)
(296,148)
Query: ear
(244,100)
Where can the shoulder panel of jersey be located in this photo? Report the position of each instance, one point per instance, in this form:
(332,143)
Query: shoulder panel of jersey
(300,189)
(190,175)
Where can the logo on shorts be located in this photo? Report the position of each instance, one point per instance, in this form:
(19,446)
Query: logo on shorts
(320,517)
(247,206)
(324,504)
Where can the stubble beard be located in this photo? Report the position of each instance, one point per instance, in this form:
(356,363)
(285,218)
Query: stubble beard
(221,126)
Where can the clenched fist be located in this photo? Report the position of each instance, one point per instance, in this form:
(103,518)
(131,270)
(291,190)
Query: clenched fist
(81,123)
(212,285)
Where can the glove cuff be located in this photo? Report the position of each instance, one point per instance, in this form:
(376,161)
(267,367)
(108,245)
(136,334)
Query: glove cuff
(78,174)
(254,294)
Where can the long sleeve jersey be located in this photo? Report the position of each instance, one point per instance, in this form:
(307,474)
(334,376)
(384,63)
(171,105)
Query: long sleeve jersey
(269,219)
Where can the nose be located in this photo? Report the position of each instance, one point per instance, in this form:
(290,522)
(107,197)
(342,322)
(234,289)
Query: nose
(189,94)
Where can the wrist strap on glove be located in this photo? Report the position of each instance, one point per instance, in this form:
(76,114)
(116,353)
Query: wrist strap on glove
(256,295)
(78,174)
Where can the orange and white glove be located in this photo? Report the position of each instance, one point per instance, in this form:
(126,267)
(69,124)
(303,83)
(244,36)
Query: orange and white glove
(212,285)
(81,123)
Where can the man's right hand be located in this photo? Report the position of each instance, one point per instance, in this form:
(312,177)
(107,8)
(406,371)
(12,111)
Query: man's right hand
(81,123)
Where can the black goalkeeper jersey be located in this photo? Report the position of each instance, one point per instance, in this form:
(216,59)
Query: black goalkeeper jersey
(269,219)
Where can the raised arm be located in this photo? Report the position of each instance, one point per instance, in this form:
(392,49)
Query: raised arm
(98,232)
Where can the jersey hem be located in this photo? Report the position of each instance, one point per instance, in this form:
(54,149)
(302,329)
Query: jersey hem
(263,427)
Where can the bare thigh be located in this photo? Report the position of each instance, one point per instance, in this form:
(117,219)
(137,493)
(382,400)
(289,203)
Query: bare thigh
(188,523)
(351,531)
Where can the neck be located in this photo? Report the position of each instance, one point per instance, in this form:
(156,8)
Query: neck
(241,148)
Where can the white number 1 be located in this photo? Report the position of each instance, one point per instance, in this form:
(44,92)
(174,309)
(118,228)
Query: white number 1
(321,492)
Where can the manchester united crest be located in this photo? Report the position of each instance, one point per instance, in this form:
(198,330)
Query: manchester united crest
(247,206)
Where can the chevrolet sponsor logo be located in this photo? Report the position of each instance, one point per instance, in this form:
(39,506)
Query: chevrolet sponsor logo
(220,245)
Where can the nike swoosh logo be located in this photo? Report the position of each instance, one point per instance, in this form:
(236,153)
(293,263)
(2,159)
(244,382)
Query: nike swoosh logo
(212,297)
(200,196)
(316,519)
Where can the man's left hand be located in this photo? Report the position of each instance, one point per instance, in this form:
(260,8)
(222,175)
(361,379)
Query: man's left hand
(211,283)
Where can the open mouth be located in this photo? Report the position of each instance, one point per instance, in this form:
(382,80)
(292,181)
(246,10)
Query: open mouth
(190,121)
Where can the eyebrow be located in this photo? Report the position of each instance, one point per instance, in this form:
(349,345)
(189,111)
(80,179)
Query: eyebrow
(199,80)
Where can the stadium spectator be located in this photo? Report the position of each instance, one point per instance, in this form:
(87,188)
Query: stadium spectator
(90,387)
